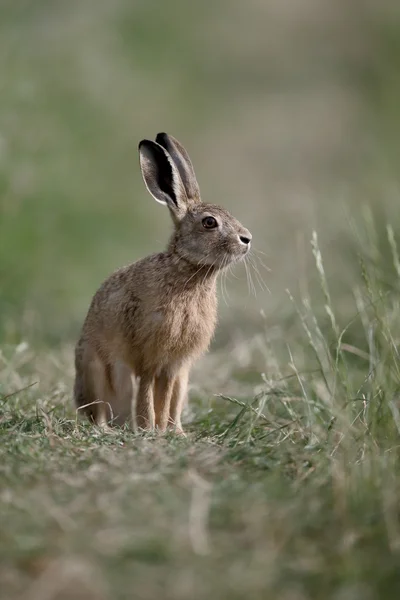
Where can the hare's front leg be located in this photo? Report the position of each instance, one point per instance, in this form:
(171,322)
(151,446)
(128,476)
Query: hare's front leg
(163,389)
(179,396)
(144,402)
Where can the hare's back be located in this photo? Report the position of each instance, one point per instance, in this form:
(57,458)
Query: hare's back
(125,289)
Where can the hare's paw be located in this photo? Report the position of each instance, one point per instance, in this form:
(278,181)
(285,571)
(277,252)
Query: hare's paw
(176,430)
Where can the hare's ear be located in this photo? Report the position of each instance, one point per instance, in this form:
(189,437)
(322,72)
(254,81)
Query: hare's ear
(183,162)
(162,178)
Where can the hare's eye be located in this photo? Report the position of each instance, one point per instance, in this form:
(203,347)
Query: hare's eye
(209,223)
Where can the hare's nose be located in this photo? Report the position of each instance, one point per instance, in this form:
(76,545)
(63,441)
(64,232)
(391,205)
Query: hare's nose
(246,238)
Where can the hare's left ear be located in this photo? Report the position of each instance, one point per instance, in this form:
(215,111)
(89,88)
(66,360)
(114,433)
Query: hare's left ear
(183,163)
(162,178)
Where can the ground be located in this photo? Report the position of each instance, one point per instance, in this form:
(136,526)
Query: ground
(289,493)
(287,485)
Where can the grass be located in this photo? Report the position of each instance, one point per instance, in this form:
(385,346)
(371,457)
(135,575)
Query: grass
(287,485)
(289,493)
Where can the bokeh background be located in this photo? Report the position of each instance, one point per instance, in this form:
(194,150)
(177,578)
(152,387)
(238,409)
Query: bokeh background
(290,111)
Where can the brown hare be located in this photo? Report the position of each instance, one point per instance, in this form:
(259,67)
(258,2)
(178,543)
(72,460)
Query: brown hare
(151,319)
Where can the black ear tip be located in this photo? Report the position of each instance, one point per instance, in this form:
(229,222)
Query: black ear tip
(146,144)
(161,138)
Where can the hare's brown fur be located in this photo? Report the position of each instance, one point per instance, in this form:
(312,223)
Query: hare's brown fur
(151,319)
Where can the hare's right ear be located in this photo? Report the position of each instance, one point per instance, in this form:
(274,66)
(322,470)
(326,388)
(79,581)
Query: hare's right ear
(162,178)
(181,158)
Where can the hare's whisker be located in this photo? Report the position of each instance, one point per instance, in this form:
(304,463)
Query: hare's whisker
(224,291)
(259,251)
(255,253)
(247,277)
(203,264)
(257,273)
(208,270)
(248,271)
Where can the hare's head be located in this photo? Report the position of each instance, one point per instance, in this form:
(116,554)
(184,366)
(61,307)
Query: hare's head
(204,233)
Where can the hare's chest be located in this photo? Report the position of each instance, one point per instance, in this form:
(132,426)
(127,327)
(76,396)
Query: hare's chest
(184,328)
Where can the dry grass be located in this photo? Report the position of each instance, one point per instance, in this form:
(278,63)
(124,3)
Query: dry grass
(287,486)
(290,492)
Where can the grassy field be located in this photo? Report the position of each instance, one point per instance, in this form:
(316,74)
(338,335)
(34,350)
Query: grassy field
(287,485)
(292,493)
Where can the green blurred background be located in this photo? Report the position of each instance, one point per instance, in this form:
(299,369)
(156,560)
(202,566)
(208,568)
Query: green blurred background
(290,111)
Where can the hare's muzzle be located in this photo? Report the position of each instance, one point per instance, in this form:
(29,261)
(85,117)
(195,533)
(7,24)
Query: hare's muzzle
(245,238)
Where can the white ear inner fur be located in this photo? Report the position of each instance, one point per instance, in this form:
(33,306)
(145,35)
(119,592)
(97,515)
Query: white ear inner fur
(177,185)
(143,162)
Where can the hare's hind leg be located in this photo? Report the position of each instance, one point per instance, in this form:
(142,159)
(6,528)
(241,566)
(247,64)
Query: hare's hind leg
(84,389)
(99,379)
(82,392)
(92,386)
(122,397)
(114,392)
(83,397)
(178,400)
